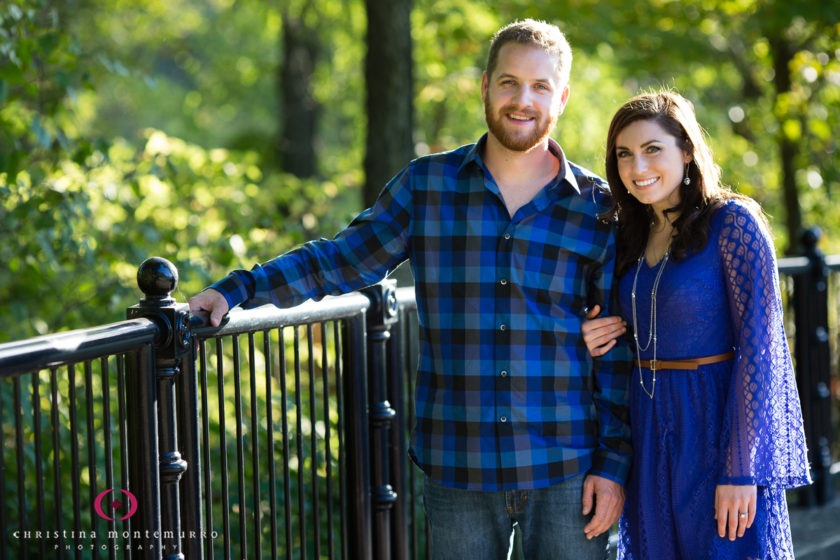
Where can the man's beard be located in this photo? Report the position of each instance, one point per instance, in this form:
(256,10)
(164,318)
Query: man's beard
(516,143)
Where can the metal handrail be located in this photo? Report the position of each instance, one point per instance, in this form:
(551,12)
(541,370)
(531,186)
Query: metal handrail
(242,321)
(58,349)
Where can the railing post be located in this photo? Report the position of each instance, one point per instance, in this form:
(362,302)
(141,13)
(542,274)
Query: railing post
(357,440)
(813,367)
(381,315)
(157,279)
(398,349)
(192,517)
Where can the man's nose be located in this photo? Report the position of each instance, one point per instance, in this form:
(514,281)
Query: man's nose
(524,96)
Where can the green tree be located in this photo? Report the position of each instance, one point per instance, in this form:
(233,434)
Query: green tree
(300,51)
(763,76)
(390,95)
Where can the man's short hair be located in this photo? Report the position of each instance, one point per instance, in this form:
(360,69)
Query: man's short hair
(535,33)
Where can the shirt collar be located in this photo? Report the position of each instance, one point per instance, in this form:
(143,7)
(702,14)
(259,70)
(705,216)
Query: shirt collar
(565,173)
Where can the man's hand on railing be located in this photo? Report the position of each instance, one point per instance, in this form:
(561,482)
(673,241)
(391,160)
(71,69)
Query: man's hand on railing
(209,304)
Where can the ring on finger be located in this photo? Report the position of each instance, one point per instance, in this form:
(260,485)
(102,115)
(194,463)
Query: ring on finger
(742,515)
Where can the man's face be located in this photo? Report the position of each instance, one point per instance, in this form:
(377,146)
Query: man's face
(524,97)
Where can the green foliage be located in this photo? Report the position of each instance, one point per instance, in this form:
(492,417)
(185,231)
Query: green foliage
(129,129)
(85,212)
(40,67)
(86,227)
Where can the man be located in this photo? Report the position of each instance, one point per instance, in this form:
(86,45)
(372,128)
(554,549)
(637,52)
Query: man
(514,422)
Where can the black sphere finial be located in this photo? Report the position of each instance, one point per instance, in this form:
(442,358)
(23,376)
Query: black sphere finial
(157,278)
(810,237)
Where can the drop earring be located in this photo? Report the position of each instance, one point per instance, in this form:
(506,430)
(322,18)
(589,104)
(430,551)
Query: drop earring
(687,179)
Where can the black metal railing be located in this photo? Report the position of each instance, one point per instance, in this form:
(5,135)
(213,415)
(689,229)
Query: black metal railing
(66,440)
(813,298)
(282,433)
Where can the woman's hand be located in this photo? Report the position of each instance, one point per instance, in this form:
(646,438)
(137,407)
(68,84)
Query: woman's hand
(600,334)
(734,509)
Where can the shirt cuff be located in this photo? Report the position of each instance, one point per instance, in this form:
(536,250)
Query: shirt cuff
(235,287)
(611,465)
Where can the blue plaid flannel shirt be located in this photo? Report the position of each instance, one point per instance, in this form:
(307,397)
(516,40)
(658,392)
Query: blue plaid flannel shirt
(507,395)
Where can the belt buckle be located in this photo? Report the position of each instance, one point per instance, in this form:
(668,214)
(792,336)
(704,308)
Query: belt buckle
(653,365)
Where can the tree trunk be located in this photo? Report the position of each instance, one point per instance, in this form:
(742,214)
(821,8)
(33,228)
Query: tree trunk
(788,150)
(299,112)
(388,76)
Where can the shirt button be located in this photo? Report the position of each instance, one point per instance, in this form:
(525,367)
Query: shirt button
(503,419)
(503,373)
(502,327)
(507,236)
(503,281)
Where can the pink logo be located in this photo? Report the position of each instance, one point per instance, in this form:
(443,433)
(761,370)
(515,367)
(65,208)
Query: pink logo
(115,505)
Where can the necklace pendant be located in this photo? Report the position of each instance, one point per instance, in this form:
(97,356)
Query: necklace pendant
(652,338)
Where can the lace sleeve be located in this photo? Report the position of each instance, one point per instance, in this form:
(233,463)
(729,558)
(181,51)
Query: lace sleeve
(763,441)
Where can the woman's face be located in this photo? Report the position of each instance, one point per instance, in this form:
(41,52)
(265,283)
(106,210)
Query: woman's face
(651,164)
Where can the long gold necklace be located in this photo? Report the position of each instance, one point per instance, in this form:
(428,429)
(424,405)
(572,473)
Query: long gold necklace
(652,327)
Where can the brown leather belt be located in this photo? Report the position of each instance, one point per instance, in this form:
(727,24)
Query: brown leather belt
(685,364)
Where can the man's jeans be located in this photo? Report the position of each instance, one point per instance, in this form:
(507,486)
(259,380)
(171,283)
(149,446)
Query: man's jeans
(467,524)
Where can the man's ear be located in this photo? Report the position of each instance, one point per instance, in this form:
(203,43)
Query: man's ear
(484,86)
(564,98)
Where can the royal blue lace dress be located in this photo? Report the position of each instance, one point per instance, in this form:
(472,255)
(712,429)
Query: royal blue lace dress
(733,422)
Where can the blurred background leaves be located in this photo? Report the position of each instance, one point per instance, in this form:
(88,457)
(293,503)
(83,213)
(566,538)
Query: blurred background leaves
(219,133)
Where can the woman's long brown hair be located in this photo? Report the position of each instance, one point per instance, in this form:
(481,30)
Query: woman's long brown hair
(698,200)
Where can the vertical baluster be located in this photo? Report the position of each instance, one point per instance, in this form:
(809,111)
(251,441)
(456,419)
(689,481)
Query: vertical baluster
(39,457)
(106,423)
(223,449)
(409,400)
(325,382)
(91,445)
(299,447)
(240,462)
(74,456)
(269,424)
(342,466)
(205,435)
(123,429)
(313,438)
(255,448)
(19,451)
(284,419)
(56,444)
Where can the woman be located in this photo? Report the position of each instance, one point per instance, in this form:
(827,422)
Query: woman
(715,416)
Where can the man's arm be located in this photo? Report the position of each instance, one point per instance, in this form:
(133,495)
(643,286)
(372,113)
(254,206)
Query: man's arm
(360,255)
(611,374)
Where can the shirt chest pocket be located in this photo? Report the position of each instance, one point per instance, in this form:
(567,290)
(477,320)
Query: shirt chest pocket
(554,267)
